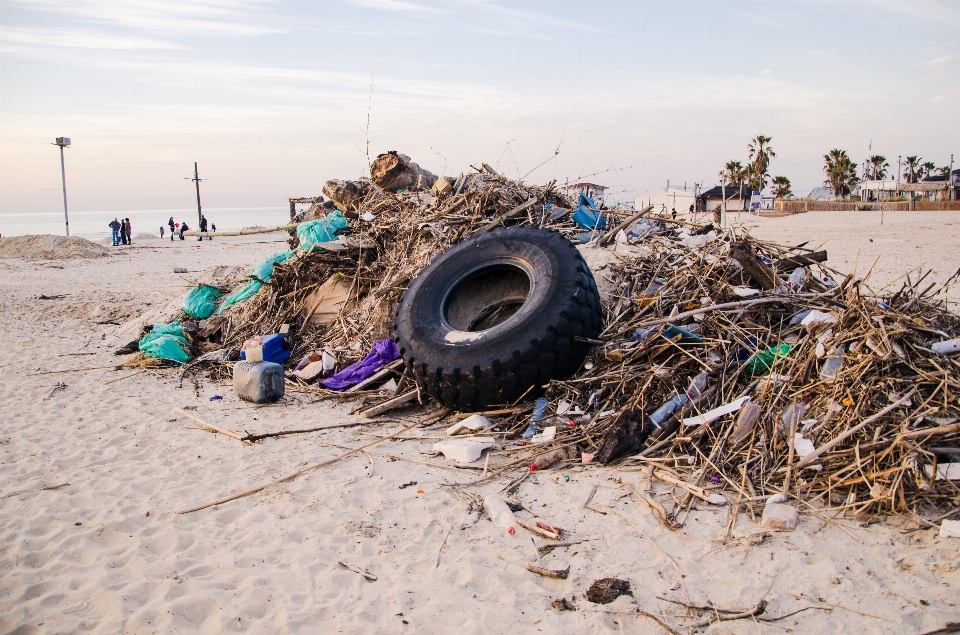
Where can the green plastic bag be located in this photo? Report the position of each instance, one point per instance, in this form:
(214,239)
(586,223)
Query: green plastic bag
(242,295)
(763,361)
(201,302)
(320,231)
(263,270)
(166,341)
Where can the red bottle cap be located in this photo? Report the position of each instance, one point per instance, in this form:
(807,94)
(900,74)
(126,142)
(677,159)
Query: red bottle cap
(511,531)
(533,466)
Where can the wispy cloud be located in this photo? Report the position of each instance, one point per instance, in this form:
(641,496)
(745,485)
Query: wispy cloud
(400,6)
(79,38)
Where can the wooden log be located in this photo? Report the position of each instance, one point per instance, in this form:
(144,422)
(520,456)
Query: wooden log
(762,274)
(801,260)
(242,232)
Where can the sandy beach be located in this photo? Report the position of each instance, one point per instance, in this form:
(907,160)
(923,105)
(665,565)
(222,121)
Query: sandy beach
(108,552)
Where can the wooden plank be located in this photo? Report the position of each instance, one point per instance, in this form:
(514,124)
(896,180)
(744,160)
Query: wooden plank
(800,260)
(242,232)
(390,404)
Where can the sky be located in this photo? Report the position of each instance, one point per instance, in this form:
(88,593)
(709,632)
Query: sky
(273,98)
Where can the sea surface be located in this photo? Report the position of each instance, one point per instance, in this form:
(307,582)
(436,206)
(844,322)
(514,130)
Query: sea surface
(94,225)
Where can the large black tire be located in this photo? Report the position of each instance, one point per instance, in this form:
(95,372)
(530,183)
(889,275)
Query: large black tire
(496,315)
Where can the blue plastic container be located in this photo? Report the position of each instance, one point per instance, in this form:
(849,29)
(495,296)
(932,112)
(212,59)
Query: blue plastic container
(275,349)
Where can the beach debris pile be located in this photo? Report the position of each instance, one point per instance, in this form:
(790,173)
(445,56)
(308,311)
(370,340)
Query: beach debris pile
(740,372)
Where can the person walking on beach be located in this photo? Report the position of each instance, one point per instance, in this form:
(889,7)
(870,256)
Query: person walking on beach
(173,228)
(128,230)
(214,228)
(673,213)
(115,227)
(203,227)
(183,228)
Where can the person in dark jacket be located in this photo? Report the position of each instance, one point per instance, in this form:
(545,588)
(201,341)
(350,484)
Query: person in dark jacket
(114,225)
(203,227)
(173,228)
(183,228)
(128,230)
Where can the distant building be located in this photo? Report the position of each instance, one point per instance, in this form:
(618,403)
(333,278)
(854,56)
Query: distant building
(594,191)
(879,190)
(664,199)
(947,192)
(738,198)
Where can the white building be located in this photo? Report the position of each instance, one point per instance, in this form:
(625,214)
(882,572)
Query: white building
(667,199)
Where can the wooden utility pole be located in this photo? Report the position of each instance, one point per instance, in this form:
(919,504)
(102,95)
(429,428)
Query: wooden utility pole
(196,179)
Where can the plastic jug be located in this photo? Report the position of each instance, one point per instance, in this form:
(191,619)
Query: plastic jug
(259,382)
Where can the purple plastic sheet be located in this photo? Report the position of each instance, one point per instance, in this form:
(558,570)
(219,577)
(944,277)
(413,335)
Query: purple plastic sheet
(382,353)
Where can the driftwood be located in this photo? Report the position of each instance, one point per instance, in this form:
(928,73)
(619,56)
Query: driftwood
(762,274)
(392,171)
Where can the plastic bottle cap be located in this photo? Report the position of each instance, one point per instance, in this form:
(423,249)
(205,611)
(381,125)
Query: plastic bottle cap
(511,530)
(533,466)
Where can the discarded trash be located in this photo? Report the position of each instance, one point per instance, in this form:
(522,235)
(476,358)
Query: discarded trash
(473,423)
(252,350)
(308,359)
(746,421)
(382,353)
(546,436)
(586,215)
(660,415)
(791,416)
(764,361)
(539,412)
(216,398)
(948,347)
(319,231)
(832,366)
(273,348)
(464,450)
(201,301)
(803,447)
(549,458)
(166,341)
(818,317)
(500,514)
(716,413)
(259,382)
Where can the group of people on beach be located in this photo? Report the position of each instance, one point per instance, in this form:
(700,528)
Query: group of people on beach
(179,228)
(122,234)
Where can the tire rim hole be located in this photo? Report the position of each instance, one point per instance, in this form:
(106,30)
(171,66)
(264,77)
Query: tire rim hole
(487,299)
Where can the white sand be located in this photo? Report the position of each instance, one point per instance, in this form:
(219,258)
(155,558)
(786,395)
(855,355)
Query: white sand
(89,558)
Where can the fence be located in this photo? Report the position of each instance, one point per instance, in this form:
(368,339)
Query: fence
(796,207)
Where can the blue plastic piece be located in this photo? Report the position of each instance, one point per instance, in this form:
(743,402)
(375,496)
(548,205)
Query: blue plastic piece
(275,349)
(670,331)
(587,215)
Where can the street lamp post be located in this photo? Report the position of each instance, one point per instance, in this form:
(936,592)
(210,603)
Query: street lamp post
(64,142)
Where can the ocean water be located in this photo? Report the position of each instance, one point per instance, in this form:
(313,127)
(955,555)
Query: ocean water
(94,225)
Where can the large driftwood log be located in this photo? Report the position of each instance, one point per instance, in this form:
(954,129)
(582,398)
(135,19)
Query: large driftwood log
(346,194)
(392,171)
(762,274)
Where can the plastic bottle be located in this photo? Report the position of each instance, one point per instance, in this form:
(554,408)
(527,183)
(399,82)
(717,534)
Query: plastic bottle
(329,361)
(308,359)
(946,348)
(549,458)
(746,419)
(832,365)
(696,387)
(796,278)
(539,412)
(500,514)
(792,413)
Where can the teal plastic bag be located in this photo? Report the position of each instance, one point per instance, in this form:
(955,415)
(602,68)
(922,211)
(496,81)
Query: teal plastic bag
(201,302)
(166,341)
(160,328)
(320,231)
(242,295)
(263,270)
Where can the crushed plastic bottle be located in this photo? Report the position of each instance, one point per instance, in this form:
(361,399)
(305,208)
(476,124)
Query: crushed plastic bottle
(796,278)
(832,366)
(500,514)
(329,361)
(539,412)
(667,408)
(745,421)
(948,347)
(792,414)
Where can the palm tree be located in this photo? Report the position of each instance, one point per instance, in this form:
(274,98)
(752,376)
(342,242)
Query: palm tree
(927,169)
(912,170)
(878,167)
(751,178)
(781,187)
(841,172)
(733,173)
(760,155)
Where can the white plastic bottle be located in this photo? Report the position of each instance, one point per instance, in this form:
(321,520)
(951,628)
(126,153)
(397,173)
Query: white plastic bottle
(500,514)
